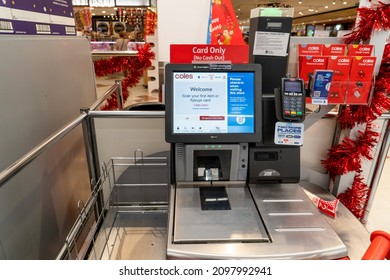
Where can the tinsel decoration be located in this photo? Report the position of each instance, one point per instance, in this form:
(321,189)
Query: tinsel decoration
(375,18)
(133,65)
(356,197)
(348,155)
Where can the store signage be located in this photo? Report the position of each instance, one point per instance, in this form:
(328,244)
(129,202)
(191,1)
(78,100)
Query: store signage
(101,3)
(209,53)
(132,3)
(51,17)
(80,2)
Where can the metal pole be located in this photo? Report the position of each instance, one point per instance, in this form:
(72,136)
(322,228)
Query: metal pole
(19,164)
(90,147)
(119,95)
(378,169)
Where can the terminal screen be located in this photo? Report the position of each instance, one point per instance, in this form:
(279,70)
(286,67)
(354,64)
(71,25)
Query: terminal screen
(213,102)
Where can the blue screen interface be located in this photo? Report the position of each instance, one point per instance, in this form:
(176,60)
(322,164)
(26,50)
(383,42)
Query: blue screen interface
(213,102)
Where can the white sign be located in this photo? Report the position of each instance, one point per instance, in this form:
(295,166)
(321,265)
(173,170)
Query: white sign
(271,43)
(289,133)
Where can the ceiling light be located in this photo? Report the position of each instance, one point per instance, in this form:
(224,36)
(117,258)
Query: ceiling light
(300,2)
(326,7)
(103,12)
(345,2)
(334,2)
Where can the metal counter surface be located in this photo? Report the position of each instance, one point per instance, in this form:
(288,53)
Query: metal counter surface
(297,230)
(353,233)
(240,223)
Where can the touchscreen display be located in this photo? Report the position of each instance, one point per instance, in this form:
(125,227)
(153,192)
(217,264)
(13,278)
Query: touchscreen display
(213,102)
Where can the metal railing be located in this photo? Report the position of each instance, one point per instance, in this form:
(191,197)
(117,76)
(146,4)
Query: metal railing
(94,207)
(10,171)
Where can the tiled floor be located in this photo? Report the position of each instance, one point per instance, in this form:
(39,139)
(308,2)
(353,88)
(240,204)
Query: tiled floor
(379,216)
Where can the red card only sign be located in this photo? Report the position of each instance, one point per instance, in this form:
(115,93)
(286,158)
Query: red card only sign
(184,53)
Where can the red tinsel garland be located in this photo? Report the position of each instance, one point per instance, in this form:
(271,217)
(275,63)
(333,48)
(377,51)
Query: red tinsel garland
(135,67)
(348,155)
(368,20)
(356,197)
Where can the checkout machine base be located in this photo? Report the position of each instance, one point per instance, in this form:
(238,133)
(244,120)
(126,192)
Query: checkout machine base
(235,220)
(215,213)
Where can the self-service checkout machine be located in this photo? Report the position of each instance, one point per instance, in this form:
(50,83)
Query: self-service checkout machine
(235,190)
(232,197)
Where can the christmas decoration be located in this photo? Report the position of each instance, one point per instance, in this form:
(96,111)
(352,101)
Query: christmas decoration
(224,28)
(327,207)
(83,19)
(371,19)
(356,197)
(348,155)
(134,66)
(150,23)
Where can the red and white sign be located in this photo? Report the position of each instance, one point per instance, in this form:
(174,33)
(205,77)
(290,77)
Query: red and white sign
(186,53)
(334,49)
(360,50)
(310,49)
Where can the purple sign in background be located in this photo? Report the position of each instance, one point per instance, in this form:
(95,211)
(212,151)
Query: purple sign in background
(47,17)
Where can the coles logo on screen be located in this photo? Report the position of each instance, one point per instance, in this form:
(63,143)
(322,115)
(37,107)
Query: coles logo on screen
(183,76)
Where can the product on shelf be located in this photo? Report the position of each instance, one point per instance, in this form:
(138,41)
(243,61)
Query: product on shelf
(320,86)
(341,66)
(360,79)
(360,50)
(334,49)
(310,49)
(308,64)
(352,66)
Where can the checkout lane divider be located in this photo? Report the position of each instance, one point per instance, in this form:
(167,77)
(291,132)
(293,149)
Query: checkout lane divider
(10,171)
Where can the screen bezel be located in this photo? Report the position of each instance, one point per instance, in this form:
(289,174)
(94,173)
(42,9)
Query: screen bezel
(171,137)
